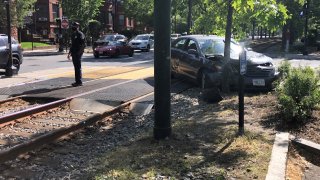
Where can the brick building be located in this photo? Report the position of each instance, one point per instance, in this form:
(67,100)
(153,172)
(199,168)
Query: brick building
(112,17)
(42,22)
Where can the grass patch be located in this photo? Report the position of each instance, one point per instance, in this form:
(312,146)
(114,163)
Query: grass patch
(197,150)
(28,45)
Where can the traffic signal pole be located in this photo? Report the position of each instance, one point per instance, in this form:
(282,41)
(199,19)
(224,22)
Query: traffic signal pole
(162,77)
(9,71)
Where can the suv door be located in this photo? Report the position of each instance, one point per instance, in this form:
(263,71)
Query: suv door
(191,61)
(3,53)
(177,52)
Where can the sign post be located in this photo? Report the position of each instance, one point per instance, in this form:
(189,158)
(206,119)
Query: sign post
(242,72)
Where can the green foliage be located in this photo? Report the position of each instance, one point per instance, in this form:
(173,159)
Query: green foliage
(19,10)
(284,69)
(141,10)
(94,29)
(298,93)
(81,10)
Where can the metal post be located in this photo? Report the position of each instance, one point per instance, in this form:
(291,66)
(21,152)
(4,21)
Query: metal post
(242,72)
(35,25)
(60,37)
(9,71)
(162,124)
(241,104)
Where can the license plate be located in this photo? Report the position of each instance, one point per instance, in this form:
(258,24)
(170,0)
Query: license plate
(258,82)
(101,52)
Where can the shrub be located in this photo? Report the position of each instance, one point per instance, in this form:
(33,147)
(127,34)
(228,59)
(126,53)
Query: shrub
(298,94)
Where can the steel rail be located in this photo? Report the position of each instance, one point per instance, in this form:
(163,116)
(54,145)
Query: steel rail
(11,99)
(52,136)
(34,110)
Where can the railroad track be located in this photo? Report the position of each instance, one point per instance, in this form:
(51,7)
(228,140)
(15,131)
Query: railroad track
(40,124)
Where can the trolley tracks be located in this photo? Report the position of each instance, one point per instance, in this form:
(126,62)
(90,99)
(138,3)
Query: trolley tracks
(34,125)
(49,133)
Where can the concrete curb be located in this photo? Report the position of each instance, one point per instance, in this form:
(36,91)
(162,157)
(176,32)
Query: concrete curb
(309,145)
(278,162)
(42,54)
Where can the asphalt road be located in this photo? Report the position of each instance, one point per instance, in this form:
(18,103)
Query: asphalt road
(35,63)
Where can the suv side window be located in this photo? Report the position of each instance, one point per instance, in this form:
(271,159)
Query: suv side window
(151,38)
(192,45)
(180,44)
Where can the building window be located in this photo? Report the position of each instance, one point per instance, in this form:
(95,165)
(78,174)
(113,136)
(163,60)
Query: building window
(55,11)
(121,20)
(44,32)
(129,22)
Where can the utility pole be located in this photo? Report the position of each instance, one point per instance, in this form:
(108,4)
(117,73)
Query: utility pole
(9,71)
(162,77)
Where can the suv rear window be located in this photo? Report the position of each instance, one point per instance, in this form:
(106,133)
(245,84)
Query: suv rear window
(2,42)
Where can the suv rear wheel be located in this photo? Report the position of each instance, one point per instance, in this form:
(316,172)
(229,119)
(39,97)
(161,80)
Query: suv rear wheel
(16,63)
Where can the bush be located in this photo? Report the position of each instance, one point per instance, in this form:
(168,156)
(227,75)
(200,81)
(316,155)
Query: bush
(298,93)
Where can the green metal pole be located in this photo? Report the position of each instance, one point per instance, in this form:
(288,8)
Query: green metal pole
(162,31)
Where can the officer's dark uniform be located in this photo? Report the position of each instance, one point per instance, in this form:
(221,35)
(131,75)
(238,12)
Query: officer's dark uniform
(76,51)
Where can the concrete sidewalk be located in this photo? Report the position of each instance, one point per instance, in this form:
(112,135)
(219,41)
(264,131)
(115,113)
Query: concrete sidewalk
(50,52)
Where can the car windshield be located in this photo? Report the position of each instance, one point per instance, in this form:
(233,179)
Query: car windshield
(141,38)
(107,38)
(108,43)
(216,47)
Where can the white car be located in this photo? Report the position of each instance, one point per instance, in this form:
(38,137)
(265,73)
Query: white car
(143,42)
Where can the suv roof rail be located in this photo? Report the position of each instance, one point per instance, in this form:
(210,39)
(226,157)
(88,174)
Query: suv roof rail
(3,35)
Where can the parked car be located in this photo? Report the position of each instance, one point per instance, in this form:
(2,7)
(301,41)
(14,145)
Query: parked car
(17,56)
(110,37)
(201,57)
(113,49)
(142,42)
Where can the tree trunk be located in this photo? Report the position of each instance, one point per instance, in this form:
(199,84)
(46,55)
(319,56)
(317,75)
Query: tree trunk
(226,68)
(253,29)
(189,15)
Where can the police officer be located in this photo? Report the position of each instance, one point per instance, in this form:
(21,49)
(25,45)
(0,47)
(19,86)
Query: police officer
(76,51)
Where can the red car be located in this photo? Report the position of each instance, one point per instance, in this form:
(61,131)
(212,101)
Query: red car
(113,49)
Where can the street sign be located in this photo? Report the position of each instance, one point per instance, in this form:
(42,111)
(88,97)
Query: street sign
(243,62)
(65,23)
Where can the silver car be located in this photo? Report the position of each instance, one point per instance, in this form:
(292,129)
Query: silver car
(143,42)
(17,56)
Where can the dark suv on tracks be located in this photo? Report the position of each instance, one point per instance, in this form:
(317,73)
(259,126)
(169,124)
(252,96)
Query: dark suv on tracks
(200,57)
(17,56)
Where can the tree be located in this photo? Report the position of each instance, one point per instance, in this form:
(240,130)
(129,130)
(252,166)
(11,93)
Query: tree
(81,11)
(140,10)
(19,10)
(94,29)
